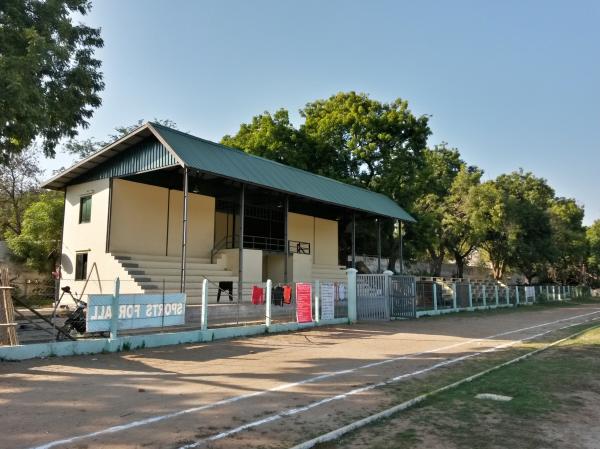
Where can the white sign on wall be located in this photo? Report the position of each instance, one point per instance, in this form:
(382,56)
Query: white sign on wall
(327,301)
(136,311)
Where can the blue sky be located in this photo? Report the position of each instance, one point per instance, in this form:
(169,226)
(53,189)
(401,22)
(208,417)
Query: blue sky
(512,84)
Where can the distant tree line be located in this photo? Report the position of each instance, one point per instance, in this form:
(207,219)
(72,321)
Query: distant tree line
(515,221)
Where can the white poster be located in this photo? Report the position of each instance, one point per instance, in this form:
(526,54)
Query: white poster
(327,301)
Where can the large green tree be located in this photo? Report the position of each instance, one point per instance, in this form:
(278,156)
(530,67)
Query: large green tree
(440,168)
(49,78)
(593,258)
(461,238)
(18,187)
(569,244)
(510,216)
(349,137)
(443,229)
(38,243)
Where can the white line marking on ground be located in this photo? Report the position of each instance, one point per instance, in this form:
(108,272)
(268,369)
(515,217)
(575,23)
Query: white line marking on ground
(337,433)
(286,386)
(295,411)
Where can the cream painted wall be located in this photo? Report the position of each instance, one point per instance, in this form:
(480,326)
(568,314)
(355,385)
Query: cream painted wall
(301,268)
(320,233)
(138,219)
(274,267)
(253,263)
(326,242)
(201,224)
(91,237)
(223,226)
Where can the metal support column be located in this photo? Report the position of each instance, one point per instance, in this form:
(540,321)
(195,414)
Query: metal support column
(184,233)
(379,245)
(286,245)
(353,240)
(401,247)
(241,242)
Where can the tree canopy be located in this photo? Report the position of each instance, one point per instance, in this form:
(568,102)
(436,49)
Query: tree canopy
(38,243)
(49,78)
(515,221)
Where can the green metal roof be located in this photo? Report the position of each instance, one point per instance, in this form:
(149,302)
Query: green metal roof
(218,159)
(139,152)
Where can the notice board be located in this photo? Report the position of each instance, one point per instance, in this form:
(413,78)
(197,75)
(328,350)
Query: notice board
(304,302)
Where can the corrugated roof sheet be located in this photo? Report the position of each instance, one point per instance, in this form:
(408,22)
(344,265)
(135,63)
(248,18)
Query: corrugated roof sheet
(218,159)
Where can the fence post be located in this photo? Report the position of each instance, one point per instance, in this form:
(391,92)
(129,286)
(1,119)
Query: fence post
(517,295)
(204,301)
(351,272)
(387,291)
(434,285)
(268,304)
(317,300)
(507,291)
(496,294)
(533,300)
(454,296)
(114,310)
(483,295)
(569,291)
(470,296)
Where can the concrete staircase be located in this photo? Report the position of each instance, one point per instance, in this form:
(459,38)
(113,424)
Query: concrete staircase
(336,273)
(154,273)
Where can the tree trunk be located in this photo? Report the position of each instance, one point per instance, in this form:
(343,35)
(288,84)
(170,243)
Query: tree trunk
(435,262)
(460,265)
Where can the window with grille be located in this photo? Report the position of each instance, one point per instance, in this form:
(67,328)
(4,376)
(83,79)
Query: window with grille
(85,209)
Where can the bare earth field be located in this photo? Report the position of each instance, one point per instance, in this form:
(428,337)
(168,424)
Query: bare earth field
(279,390)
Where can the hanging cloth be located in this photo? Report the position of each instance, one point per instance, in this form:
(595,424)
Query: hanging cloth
(287,294)
(257,295)
(278,295)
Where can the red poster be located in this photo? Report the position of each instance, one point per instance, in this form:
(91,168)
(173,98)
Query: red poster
(304,302)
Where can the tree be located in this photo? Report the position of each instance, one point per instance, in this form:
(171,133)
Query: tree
(511,220)
(593,243)
(440,168)
(38,244)
(461,237)
(49,79)
(569,242)
(274,137)
(489,217)
(443,223)
(86,147)
(349,137)
(373,144)
(18,186)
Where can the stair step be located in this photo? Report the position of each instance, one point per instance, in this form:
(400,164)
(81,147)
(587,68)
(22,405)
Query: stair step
(159,273)
(150,257)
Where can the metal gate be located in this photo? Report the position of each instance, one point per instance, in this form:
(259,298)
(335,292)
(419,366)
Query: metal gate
(372,297)
(403,293)
(382,297)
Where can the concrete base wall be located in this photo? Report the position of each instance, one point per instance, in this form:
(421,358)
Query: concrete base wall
(99,345)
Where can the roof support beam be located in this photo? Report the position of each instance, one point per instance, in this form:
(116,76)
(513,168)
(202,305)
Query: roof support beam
(184,233)
(353,239)
(241,243)
(286,249)
(378,245)
(401,247)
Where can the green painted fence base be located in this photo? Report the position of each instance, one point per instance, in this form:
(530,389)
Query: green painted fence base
(129,342)
(422,313)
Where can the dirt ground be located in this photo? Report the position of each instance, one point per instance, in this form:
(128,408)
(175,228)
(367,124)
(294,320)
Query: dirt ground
(264,392)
